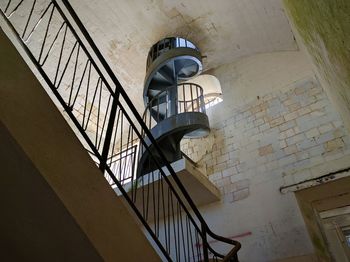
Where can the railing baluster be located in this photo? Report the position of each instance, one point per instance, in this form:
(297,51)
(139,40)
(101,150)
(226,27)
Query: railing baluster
(53,42)
(66,66)
(60,57)
(184,97)
(15,9)
(104,121)
(92,103)
(158,109)
(87,95)
(46,32)
(7,6)
(29,17)
(197,99)
(192,107)
(114,118)
(37,24)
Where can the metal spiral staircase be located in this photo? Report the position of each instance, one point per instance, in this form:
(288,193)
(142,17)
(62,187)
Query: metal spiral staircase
(174,107)
(108,125)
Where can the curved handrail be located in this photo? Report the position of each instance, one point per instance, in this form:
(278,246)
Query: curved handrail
(166,44)
(195,101)
(233,251)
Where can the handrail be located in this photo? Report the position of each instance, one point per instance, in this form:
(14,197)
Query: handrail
(114,115)
(167,43)
(195,102)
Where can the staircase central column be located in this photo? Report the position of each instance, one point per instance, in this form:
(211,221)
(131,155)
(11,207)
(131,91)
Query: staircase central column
(173,95)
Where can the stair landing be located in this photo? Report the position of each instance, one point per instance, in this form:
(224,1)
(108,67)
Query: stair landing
(201,189)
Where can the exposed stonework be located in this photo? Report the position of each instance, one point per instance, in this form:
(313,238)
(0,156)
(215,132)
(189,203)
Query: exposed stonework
(268,102)
(265,150)
(281,132)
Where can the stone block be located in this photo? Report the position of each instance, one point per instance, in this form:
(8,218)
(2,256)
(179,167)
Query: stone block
(287,160)
(286,134)
(295,139)
(222,158)
(276,121)
(265,150)
(240,194)
(324,137)
(312,133)
(215,176)
(294,107)
(283,144)
(325,128)
(306,143)
(259,122)
(304,111)
(302,176)
(287,125)
(242,184)
(290,149)
(230,172)
(291,116)
(334,144)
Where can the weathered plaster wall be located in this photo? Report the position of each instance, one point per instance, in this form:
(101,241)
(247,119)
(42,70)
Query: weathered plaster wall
(224,31)
(324,28)
(275,122)
(56,156)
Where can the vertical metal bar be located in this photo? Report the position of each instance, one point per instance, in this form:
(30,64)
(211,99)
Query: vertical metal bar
(121,142)
(52,44)
(15,9)
(182,234)
(46,31)
(174,225)
(205,243)
(29,17)
(158,109)
(167,103)
(60,57)
(37,23)
(202,100)
(191,238)
(7,6)
(197,99)
(66,66)
(150,119)
(109,131)
(192,109)
(86,97)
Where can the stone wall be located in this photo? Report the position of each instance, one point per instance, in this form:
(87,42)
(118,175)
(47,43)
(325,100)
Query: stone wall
(261,142)
(283,132)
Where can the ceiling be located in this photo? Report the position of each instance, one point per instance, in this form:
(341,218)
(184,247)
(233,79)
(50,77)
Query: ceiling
(224,30)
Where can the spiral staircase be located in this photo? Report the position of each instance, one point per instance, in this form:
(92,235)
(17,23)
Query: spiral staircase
(175,108)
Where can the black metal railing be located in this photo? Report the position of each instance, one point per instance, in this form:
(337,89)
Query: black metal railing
(165,45)
(190,98)
(122,164)
(109,126)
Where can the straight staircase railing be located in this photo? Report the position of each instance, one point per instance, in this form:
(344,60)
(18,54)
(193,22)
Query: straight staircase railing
(110,127)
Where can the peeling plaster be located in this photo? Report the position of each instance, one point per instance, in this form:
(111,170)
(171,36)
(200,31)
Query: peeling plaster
(225,31)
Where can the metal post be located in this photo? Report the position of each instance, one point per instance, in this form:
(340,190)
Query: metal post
(108,137)
(205,246)
(173,95)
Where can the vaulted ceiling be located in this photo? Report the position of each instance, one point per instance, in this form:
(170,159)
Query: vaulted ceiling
(224,30)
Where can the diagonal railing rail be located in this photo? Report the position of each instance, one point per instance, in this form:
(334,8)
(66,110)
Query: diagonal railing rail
(109,126)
